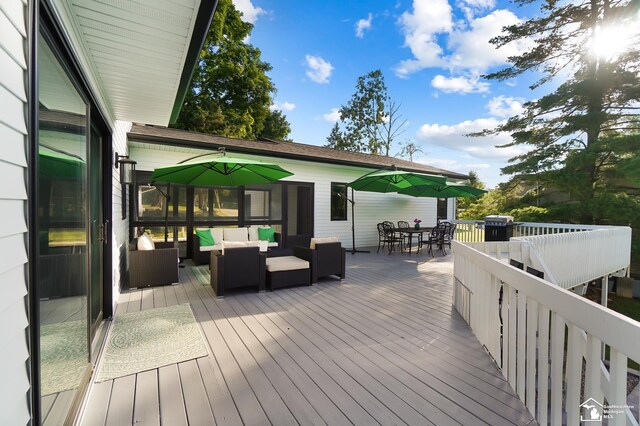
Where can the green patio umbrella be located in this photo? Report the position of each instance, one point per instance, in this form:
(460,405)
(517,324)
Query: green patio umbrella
(220,171)
(449,190)
(387,181)
(56,164)
(216,169)
(394,180)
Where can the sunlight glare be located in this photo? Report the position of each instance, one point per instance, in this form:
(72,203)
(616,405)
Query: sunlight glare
(611,41)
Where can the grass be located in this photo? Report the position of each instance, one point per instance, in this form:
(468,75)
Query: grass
(622,305)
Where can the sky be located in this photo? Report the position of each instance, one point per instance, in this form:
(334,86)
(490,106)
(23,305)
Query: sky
(432,54)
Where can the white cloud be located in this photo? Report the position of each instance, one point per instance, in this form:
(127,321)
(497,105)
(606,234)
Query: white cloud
(332,116)
(505,106)
(472,7)
(250,13)
(453,165)
(462,47)
(284,106)
(319,70)
(420,29)
(462,85)
(482,147)
(470,45)
(362,25)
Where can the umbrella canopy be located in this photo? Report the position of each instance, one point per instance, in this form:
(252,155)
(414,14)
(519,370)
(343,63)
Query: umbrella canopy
(220,171)
(395,180)
(450,190)
(56,164)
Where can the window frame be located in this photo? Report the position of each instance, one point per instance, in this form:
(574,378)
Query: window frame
(344,217)
(439,206)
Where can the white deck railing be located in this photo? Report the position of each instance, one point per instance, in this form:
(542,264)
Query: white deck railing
(473,230)
(566,256)
(540,320)
(572,259)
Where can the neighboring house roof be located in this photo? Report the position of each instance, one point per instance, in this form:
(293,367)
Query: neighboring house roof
(293,150)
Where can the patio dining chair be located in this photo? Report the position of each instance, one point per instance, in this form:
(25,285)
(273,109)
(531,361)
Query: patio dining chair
(449,233)
(387,237)
(407,237)
(436,237)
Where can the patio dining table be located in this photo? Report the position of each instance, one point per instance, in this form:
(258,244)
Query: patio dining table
(412,231)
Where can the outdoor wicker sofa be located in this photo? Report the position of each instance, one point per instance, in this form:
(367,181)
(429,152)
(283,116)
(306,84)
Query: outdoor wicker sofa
(201,254)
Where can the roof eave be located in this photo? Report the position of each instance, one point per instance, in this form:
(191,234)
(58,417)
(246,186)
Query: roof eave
(168,140)
(198,38)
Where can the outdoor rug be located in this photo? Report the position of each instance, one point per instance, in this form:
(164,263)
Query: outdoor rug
(202,274)
(141,341)
(63,355)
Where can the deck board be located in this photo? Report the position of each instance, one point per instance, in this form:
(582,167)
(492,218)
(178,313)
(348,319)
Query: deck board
(384,346)
(171,400)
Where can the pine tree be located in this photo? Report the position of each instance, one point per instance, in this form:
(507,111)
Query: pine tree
(575,132)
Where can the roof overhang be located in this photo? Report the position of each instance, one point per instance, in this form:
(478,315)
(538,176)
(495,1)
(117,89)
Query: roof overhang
(148,136)
(138,57)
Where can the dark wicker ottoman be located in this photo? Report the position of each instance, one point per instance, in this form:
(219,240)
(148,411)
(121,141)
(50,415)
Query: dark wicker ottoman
(287,271)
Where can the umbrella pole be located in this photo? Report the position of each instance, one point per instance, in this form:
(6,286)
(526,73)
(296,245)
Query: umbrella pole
(354,250)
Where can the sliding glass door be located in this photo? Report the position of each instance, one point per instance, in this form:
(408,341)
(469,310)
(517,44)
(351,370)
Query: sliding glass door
(70,229)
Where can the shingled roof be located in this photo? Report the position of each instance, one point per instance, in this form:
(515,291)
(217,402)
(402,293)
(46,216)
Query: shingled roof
(271,148)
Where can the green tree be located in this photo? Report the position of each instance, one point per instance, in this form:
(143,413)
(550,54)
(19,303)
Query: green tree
(230,91)
(464,203)
(276,127)
(337,140)
(370,121)
(597,98)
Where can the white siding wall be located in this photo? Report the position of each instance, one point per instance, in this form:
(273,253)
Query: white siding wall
(370,207)
(120,227)
(14,386)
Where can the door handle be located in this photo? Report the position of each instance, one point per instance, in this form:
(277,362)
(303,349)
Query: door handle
(101,230)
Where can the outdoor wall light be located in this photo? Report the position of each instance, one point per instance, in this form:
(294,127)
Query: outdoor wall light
(127,167)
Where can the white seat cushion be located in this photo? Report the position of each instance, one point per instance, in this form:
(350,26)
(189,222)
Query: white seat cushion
(211,248)
(253,233)
(262,245)
(230,244)
(216,233)
(270,244)
(315,241)
(286,263)
(145,242)
(236,234)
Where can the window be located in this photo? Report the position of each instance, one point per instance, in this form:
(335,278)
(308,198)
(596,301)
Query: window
(263,203)
(151,200)
(338,201)
(219,203)
(442,208)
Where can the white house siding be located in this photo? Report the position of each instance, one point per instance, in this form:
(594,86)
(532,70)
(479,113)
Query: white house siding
(370,208)
(120,227)
(14,386)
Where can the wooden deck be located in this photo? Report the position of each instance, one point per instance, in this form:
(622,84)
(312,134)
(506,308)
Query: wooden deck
(382,347)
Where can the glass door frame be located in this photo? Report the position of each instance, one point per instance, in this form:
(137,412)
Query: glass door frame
(42,21)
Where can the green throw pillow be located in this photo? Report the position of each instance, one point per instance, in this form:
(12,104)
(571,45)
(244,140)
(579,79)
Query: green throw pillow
(267,234)
(206,239)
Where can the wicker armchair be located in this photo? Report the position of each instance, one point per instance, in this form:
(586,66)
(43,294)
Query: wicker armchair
(326,259)
(238,267)
(153,267)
